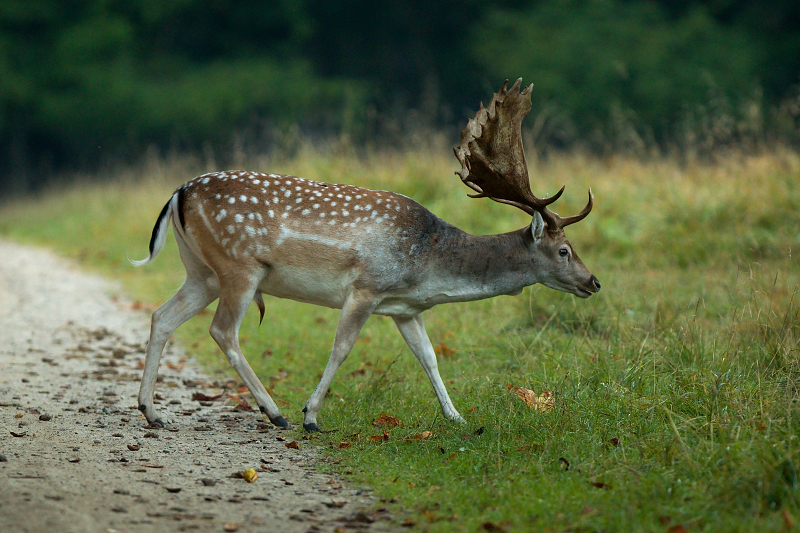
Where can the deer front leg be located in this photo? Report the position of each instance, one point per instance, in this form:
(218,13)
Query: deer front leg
(191,298)
(413,331)
(233,303)
(355,312)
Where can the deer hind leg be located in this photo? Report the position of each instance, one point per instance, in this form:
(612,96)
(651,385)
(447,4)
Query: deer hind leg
(355,312)
(413,332)
(234,300)
(194,295)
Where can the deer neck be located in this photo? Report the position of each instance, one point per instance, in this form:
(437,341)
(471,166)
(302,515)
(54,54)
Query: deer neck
(464,267)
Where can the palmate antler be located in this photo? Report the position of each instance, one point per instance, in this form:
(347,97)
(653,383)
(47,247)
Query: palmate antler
(493,160)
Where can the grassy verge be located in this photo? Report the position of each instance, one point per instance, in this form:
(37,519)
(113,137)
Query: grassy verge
(675,389)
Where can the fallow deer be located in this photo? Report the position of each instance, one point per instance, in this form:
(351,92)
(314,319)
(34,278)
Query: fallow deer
(243,234)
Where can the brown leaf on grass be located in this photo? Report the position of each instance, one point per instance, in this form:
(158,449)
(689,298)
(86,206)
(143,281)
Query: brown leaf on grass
(443,350)
(380,438)
(294,445)
(421,436)
(788,520)
(542,402)
(344,445)
(386,420)
(173,366)
(494,528)
(678,528)
(200,397)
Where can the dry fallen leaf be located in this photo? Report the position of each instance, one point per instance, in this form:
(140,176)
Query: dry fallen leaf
(543,402)
(243,405)
(443,350)
(250,475)
(344,445)
(294,444)
(420,436)
(788,520)
(678,529)
(173,366)
(200,397)
(386,420)
(380,438)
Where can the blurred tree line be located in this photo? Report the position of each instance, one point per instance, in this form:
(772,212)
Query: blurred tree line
(87,81)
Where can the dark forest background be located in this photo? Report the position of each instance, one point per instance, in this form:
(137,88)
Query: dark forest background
(85,83)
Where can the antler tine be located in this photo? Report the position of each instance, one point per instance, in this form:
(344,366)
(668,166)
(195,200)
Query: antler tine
(492,156)
(566,221)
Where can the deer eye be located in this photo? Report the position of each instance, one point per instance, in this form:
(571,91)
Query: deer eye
(563,252)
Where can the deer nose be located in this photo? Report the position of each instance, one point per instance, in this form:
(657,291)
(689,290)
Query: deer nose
(596,283)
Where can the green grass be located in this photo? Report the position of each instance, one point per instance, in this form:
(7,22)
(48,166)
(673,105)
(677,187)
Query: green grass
(675,388)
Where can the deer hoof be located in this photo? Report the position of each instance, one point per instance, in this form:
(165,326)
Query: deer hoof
(157,424)
(279,421)
(312,427)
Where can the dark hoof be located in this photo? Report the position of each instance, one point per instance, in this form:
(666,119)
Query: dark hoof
(157,424)
(280,422)
(312,427)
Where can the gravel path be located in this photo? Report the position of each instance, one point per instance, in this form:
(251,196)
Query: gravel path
(76,456)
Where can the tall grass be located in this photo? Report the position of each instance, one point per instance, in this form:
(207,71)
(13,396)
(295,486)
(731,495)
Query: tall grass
(675,388)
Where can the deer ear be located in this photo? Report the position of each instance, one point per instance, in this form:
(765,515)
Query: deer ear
(537,226)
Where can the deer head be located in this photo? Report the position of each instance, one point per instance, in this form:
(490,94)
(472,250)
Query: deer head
(493,164)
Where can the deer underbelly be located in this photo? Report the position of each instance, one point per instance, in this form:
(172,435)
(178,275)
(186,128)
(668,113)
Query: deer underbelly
(308,285)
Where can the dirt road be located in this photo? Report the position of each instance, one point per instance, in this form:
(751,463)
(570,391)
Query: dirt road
(76,456)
